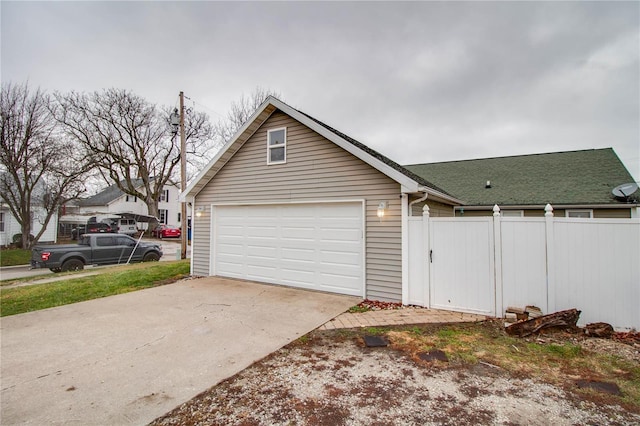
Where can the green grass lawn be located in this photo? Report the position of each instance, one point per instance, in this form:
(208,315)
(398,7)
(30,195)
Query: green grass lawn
(13,257)
(110,281)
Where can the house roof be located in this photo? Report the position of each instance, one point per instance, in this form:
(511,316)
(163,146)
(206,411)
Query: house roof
(409,181)
(560,178)
(106,196)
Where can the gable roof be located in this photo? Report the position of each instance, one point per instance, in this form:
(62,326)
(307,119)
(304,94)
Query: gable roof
(107,195)
(409,181)
(559,178)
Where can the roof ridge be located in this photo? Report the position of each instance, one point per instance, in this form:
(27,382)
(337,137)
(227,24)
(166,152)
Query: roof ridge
(511,156)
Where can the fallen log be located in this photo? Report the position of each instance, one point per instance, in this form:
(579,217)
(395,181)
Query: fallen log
(567,318)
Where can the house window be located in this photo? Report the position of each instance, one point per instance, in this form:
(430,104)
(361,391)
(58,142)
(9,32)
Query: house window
(1,222)
(512,213)
(583,214)
(277,146)
(163,216)
(164,196)
(179,216)
(131,198)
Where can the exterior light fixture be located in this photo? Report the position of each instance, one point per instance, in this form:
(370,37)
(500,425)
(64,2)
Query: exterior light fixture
(382,207)
(199,211)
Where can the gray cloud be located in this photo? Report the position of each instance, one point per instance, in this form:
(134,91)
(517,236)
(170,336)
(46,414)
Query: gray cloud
(430,81)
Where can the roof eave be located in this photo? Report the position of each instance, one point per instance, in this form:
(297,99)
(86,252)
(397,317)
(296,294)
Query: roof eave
(240,137)
(407,184)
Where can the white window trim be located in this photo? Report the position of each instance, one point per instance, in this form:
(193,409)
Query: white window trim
(568,211)
(163,220)
(164,196)
(282,145)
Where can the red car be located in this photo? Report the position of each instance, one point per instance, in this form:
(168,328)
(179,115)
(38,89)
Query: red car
(166,231)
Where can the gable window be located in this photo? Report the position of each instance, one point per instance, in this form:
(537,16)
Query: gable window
(130,198)
(277,146)
(163,215)
(582,214)
(164,196)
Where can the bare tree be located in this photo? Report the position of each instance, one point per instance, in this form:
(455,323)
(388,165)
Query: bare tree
(40,168)
(241,111)
(126,137)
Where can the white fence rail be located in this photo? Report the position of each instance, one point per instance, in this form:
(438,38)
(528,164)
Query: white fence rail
(484,265)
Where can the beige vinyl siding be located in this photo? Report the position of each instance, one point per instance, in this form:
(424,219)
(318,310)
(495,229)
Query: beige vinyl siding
(612,213)
(436,209)
(316,169)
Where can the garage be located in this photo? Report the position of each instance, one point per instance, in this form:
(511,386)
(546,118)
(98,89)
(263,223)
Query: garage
(315,246)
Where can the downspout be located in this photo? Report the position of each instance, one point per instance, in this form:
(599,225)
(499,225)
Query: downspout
(405,241)
(419,200)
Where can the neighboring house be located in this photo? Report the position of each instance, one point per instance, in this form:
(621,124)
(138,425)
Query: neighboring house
(291,201)
(575,183)
(113,200)
(9,225)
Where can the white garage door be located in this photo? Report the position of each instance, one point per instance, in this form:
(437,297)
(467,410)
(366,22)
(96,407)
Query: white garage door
(315,246)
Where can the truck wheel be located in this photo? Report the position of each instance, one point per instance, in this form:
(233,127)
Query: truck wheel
(72,265)
(151,257)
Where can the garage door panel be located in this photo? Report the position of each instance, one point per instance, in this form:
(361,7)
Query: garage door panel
(232,248)
(317,246)
(335,234)
(298,254)
(300,276)
(263,231)
(231,269)
(230,231)
(339,258)
(306,233)
(261,272)
(338,284)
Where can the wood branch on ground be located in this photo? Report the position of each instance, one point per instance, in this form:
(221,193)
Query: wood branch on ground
(599,329)
(564,319)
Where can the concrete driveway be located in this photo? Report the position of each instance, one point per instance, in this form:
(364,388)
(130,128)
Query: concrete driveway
(130,358)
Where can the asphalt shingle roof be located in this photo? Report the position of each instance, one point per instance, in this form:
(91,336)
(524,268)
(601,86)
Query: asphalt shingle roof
(107,195)
(571,177)
(407,172)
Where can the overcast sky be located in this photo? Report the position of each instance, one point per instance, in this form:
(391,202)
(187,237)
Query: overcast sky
(419,82)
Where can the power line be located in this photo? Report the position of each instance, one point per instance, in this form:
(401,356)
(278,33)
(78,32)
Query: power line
(205,107)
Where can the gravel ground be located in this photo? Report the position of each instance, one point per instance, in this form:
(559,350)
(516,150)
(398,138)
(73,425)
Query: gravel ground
(333,379)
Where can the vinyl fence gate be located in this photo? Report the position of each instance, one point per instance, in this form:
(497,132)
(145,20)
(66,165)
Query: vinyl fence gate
(485,264)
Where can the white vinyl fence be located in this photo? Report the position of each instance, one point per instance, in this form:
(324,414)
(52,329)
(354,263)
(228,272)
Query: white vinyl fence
(485,264)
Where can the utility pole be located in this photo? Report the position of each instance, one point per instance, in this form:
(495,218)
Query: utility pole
(183,180)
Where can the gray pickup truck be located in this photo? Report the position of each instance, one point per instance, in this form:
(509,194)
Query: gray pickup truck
(94,249)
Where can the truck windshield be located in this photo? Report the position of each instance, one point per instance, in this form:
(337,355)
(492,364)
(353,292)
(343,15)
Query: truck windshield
(84,241)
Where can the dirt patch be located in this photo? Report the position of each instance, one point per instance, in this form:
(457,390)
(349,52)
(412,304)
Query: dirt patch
(332,378)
